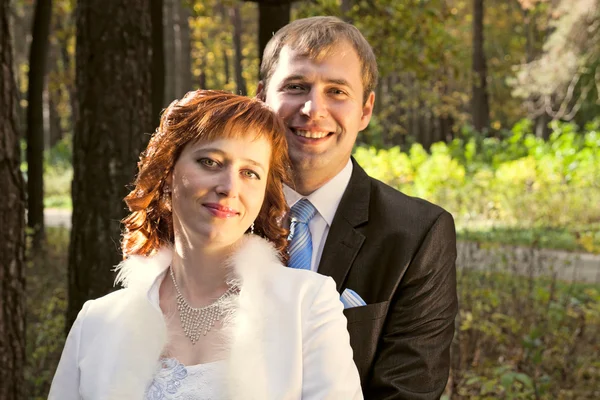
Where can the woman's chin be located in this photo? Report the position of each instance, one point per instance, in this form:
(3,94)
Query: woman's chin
(219,237)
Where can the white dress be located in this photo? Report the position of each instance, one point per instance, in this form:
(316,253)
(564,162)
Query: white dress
(175,381)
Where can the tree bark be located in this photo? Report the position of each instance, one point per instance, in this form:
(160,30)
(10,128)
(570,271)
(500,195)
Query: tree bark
(35,120)
(226,66)
(345,8)
(272,15)
(479,103)
(158,60)
(12,234)
(56,131)
(169,43)
(185,68)
(113,79)
(236,21)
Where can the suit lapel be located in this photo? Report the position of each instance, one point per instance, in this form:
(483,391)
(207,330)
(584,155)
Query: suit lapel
(344,240)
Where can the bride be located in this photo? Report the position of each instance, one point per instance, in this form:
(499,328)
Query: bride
(208,310)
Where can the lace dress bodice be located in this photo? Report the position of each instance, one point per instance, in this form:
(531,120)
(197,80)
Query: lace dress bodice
(175,381)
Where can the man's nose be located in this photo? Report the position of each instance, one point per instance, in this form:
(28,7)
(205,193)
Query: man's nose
(315,106)
(229,183)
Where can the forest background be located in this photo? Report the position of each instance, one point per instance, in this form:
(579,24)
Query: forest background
(488,108)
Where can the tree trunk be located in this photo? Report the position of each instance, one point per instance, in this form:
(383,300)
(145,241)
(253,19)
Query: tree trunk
(479,103)
(113,79)
(345,8)
(158,60)
(56,131)
(35,120)
(185,68)
(272,15)
(226,66)
(20,28)
(236,21)
(12,234)
(169,42)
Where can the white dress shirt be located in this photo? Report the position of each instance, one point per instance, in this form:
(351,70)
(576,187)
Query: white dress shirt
(326,200)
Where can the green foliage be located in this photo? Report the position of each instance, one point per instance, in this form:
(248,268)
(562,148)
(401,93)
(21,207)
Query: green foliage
(523,338)
(58,174)
(46,291)
(517,180)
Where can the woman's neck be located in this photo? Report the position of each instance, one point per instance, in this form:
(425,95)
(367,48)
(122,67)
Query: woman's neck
(201,273)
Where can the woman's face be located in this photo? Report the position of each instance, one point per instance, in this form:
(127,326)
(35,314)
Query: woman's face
(218,188)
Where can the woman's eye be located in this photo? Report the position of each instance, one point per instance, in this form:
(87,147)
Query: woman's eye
(207,162)
(250,174)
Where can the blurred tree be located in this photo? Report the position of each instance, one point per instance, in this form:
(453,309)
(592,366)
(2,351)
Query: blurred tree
(185,67)
(21,17)
(12,219)
(61,71)
(479,102)
(564,81)
(236,21)
(35,122)
(272,15)
(158,60)
(114,62)
(177,49)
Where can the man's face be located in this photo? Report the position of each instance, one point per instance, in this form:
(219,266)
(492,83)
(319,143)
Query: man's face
(321,102)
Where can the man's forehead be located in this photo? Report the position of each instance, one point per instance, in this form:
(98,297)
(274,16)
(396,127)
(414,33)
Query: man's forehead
(299,53)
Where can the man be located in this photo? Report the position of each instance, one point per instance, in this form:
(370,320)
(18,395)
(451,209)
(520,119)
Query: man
(393,252)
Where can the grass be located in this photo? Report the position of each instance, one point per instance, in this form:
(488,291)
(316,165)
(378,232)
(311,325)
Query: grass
(524,338)
(585,239)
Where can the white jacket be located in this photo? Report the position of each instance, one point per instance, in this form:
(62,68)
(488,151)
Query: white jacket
(288,337)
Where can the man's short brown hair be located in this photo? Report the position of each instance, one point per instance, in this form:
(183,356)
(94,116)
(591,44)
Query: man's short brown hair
(314,37)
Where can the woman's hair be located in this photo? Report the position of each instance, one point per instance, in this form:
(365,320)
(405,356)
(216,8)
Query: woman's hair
(203,115)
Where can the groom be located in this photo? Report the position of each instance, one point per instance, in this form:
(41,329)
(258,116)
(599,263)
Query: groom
(394,253)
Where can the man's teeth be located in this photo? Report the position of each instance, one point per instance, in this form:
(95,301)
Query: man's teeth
(310,134)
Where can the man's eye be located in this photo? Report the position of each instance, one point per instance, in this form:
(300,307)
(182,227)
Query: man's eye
(338,92)
(250,174)
(294,87)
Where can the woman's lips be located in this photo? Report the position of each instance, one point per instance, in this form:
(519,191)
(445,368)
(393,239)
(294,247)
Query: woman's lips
(220,211)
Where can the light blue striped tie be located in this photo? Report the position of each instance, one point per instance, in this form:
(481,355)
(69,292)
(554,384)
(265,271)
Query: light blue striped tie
(301,242)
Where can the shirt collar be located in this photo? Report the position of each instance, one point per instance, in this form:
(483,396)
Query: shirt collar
(326,198)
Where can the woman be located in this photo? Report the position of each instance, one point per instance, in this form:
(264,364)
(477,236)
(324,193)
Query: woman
(209,312)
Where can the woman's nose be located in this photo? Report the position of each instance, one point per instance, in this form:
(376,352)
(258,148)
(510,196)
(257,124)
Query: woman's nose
(228,184)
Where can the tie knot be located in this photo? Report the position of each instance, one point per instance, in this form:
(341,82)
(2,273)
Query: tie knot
(303,211)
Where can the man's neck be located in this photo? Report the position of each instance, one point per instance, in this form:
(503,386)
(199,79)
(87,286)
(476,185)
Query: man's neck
(306,182)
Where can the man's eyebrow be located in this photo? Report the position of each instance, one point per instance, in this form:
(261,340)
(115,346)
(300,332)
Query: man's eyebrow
(296,77)
(339,81)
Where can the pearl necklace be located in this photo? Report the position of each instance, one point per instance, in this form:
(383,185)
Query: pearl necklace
(197,321)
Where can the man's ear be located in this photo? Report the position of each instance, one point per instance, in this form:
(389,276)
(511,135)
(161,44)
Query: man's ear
(367,111)
(261,92)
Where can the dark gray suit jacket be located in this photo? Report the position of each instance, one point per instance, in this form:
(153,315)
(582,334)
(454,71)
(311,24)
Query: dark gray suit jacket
(398,253)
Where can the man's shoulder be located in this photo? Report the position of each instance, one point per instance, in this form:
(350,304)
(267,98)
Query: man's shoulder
(394,203)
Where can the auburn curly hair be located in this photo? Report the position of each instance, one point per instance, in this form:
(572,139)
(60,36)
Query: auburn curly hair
(203,115)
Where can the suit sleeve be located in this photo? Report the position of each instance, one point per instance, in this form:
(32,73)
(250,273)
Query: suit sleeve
(413,358)
(65,385)
(328,371)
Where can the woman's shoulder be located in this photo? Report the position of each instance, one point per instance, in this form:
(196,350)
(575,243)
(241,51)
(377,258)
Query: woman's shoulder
(110,303)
